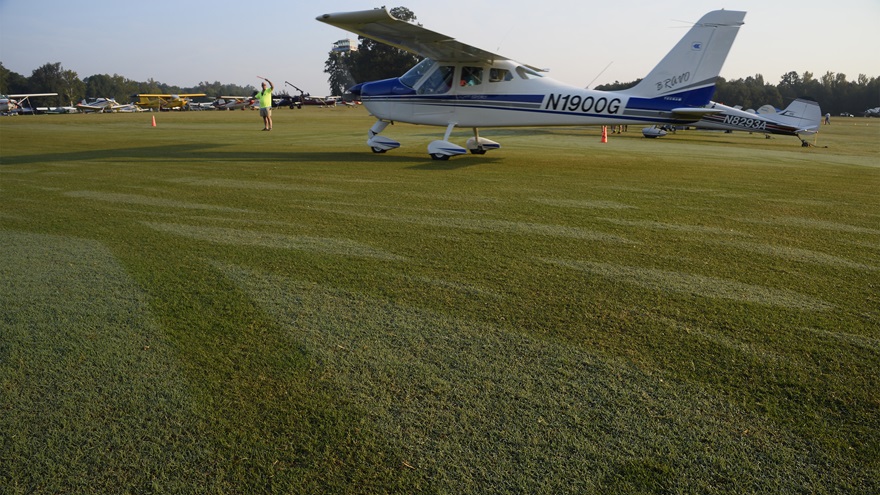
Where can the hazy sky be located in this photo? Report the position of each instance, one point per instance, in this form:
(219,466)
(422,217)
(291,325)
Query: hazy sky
(185,42)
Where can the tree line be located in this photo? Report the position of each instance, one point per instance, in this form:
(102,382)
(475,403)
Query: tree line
(834,92)
(53,78)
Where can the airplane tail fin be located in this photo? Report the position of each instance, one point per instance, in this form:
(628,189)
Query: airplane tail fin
(803,114)
(686,75)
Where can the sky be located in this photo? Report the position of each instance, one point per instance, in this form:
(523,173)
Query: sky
(185,42)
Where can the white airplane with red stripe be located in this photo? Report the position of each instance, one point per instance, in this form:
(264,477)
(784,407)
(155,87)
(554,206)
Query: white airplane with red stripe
(801,116)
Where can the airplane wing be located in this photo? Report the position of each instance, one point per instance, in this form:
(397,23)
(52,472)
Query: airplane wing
(695,112)
(379,25)
(29,95)
(168,95)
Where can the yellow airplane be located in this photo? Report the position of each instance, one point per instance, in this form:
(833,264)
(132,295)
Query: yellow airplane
(161,101)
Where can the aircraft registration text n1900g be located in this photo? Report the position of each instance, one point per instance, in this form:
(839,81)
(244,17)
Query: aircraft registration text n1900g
(458,85)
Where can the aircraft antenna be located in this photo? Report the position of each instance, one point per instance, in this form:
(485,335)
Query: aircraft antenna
(599,74)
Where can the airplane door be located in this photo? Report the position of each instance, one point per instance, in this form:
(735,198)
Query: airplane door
(436,94)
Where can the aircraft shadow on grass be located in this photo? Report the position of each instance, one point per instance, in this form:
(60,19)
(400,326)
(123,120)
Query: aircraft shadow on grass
(207,153)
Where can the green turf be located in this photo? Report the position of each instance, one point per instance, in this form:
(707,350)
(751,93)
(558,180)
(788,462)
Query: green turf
(202,307)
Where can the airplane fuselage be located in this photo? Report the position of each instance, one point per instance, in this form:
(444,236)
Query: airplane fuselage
(506,94)
(733,119)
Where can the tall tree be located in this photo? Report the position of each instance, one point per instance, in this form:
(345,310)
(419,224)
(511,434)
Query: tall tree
(70,89)
(372,60)
(12,82)
(53,78)
(340,75)
(790,79)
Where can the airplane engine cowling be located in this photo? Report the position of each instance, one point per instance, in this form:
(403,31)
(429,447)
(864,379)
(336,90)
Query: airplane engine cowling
(385,87)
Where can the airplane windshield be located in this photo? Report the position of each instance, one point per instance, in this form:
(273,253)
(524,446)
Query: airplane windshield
(413,75)
(430,77)
(526,73)
(438,81)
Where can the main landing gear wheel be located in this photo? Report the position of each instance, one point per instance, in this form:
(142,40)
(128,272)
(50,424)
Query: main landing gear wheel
(378,150)
(480,151)
(439,156)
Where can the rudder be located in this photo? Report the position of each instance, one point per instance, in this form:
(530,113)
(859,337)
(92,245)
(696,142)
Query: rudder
(695,62)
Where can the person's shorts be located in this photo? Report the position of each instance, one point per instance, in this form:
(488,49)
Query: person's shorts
(265,112)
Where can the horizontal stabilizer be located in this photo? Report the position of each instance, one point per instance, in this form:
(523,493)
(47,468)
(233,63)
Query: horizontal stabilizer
(803,114)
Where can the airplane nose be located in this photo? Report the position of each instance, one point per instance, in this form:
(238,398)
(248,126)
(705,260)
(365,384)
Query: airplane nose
(385,87)
(356,89)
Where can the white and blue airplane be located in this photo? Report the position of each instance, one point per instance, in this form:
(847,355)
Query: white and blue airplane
(457,85)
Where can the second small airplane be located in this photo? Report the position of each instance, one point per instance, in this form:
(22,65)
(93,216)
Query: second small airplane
(163,101)
(801,117)
(105,105)
(233,102)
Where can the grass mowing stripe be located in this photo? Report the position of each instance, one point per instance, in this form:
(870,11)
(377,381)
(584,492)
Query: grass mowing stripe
(87,377)
(798,255)
(700,285)
(239,237)
(137,199)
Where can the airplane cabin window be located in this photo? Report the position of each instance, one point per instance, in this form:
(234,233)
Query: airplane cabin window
(526,73)
(499,75)
(439,81)
(471,76)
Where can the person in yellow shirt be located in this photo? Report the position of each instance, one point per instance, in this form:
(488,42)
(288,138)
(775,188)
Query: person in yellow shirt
(265,99)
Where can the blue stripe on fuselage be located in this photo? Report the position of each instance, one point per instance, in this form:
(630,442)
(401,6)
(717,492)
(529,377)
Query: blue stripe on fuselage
(393,90)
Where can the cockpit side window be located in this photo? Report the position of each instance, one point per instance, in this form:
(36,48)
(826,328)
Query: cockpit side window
(471,76)
(526,73)
(499,75)
(439,81)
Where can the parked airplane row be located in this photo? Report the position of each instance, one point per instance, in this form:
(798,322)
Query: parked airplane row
(20,103)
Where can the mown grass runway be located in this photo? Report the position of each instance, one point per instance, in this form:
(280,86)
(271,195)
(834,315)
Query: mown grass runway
(202,307)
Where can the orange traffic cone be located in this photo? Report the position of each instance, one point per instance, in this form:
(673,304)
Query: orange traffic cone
(604,134)
(154,121)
